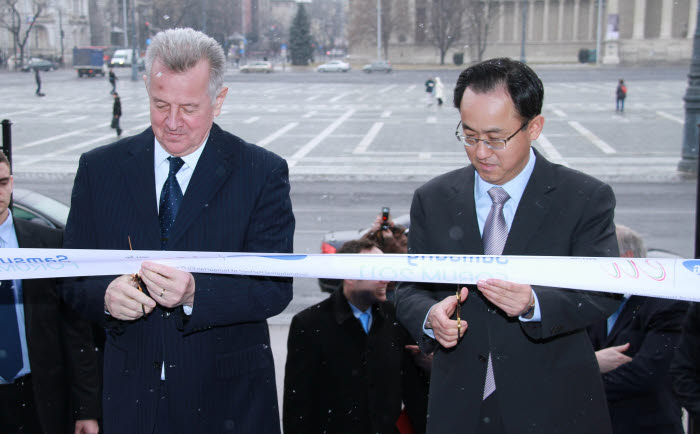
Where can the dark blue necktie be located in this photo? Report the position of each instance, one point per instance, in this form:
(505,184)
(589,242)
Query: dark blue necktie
(10,345)
(170,199)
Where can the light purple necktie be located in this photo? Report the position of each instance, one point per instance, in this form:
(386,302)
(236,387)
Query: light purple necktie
(495,236)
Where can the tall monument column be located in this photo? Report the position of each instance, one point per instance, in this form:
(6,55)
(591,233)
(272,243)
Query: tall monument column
(612,36)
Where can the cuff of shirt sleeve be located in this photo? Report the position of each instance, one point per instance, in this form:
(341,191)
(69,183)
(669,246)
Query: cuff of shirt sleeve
(536,316)
(187,310)
(427,331)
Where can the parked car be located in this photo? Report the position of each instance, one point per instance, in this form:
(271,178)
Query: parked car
(332,241)
(35,207)
(377,66)
(334,66)
(40,64)
(257,66)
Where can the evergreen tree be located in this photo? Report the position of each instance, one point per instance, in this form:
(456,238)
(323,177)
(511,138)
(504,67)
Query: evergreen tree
(300,43)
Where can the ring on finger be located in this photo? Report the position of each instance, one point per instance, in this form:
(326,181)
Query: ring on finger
(162,292)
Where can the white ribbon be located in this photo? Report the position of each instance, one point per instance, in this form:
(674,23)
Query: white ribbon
(667,278)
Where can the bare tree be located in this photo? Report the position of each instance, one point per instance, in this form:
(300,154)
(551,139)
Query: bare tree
(327,20)
(363,21)
(13,22)
(446,24)
(480,17)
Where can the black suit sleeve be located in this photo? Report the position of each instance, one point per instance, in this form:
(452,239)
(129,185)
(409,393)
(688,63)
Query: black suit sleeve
(651,360)
(563,310)
(271,230)
(301,389)
(685,367)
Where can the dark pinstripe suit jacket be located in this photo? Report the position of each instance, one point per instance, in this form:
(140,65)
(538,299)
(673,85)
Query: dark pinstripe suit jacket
(218,364)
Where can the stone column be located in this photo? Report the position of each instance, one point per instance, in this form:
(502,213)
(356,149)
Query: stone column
(545,21)
(692,18)
(560,22)
(640,7)
(611,51)
(666,17)
(577,6)
(530,18)
(501,21)
(591,19)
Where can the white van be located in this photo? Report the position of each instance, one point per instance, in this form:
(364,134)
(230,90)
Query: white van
(121,58)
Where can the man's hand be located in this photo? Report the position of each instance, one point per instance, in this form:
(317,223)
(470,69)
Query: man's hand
(124,301)
(612,357)
(169,286)
(511,298)
(87,426)
(444,328)
(423,361)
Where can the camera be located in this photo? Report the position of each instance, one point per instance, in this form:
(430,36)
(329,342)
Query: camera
(385,218)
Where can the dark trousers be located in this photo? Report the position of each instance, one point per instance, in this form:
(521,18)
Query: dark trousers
(162,416)
(17,409)
(490,421)
(620,105)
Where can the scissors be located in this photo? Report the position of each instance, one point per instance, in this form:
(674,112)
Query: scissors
(138,280)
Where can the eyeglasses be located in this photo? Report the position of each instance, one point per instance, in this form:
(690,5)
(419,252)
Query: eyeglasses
(490,143)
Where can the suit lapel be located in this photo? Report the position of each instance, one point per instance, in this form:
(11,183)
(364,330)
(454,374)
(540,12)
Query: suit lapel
(629,311)
(533,206)
(138,170)
(213,169)
(462,210)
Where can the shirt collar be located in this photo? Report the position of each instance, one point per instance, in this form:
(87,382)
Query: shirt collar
(515,187)
(161,156)
(7,228)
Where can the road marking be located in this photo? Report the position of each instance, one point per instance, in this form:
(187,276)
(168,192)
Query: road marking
(9,115)
(670,117)
(424,155)
(410,88)
(64,150)
(251,120)
(597,141)
(76,119)
(309,114)
(60,136)
(385,114)
(550,151)
(559,113)
(431,120)
(336,98)
(52,113)
(368,138)
(386,89)
(308,147)
(312,97)
(269,139)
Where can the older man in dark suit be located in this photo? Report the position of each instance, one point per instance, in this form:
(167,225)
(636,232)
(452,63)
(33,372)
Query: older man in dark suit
(521,361)
(634,348)
(49,381)
(192,352)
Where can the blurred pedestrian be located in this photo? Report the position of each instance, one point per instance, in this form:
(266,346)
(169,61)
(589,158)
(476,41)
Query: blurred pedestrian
(116,113)
(113,80)
(620,95)
(37,78)
(429,86)
(439,91)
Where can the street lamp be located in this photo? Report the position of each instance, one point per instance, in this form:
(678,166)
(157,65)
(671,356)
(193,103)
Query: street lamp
(689,161)
(379,29)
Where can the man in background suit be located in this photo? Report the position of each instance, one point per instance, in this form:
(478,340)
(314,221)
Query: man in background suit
(348,369)
(192,352)
(521,361)
(49,380)
(634,348)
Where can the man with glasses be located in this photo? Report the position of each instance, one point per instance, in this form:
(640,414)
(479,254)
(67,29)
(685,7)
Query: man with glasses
(519,359)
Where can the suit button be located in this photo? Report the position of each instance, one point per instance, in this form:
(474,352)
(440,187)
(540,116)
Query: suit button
(482,359)
(167,314)
(156,365)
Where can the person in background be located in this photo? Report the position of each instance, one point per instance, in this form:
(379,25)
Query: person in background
(439,91)
(116,113)
(49,381)
(429,87)
(37,79)
(348,370)
(519,360)
(620,95)
(112,80)
(634,348)
(184,352)
(685,368)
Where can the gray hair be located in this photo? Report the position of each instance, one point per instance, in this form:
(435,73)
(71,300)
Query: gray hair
(629,240)
(181,49)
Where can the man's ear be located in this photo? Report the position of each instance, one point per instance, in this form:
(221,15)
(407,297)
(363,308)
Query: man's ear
(534,127)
